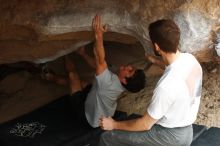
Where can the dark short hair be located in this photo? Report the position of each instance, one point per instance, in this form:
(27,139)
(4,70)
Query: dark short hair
(166,34)
(136,82)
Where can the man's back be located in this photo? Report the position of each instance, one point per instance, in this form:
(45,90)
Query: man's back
(102,99)
(178,93)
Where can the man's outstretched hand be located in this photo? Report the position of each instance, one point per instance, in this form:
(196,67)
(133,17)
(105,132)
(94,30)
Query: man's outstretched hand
(98,27)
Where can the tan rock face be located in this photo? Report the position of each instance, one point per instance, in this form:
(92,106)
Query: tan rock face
(41,31)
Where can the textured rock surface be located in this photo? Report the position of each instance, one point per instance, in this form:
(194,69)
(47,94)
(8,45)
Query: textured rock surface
(44,30)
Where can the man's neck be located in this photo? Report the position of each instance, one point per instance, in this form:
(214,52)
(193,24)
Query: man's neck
(169,58)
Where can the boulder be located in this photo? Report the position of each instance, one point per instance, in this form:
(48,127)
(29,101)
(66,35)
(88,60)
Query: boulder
(41,31)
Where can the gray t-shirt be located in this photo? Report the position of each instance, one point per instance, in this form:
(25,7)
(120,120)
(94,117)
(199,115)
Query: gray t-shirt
(102,99)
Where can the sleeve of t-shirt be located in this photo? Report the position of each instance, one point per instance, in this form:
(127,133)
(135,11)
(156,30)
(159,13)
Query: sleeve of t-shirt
(160,103)
(104,79)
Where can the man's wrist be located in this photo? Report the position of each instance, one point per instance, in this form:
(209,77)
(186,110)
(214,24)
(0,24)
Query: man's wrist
(115,125)
(99,36)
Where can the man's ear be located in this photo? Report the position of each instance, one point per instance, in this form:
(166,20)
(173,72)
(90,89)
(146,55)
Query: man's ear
(157,49)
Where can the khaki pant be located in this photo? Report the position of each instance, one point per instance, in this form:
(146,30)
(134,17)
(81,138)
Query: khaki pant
(157,136)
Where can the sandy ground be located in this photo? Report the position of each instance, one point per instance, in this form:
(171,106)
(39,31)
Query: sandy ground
(22,92)
(209,112)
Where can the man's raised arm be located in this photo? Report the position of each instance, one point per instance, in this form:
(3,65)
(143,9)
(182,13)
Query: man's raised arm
(99,51)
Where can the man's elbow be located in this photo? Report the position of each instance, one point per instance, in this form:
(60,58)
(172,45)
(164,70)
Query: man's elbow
(102,62)
(147,127)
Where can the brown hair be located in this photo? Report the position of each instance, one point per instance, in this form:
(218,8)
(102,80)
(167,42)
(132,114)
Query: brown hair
(166,34)
(136,82)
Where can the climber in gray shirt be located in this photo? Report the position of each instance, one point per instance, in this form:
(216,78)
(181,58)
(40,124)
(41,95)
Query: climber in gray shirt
(100,99)
(107,86)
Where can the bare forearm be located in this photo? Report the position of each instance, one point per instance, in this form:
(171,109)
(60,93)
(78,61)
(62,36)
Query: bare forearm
(155,61)
(99,49)
(140,124)
(131,125)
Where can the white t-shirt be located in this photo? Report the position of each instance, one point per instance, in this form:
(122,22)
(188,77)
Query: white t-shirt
(176,98)
(102,98)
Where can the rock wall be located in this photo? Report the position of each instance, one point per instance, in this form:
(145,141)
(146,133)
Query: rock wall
(44,30)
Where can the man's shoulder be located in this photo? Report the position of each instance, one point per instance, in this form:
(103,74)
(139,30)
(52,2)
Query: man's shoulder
(170,82)
(108,80)
(189,57)
(104,73)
